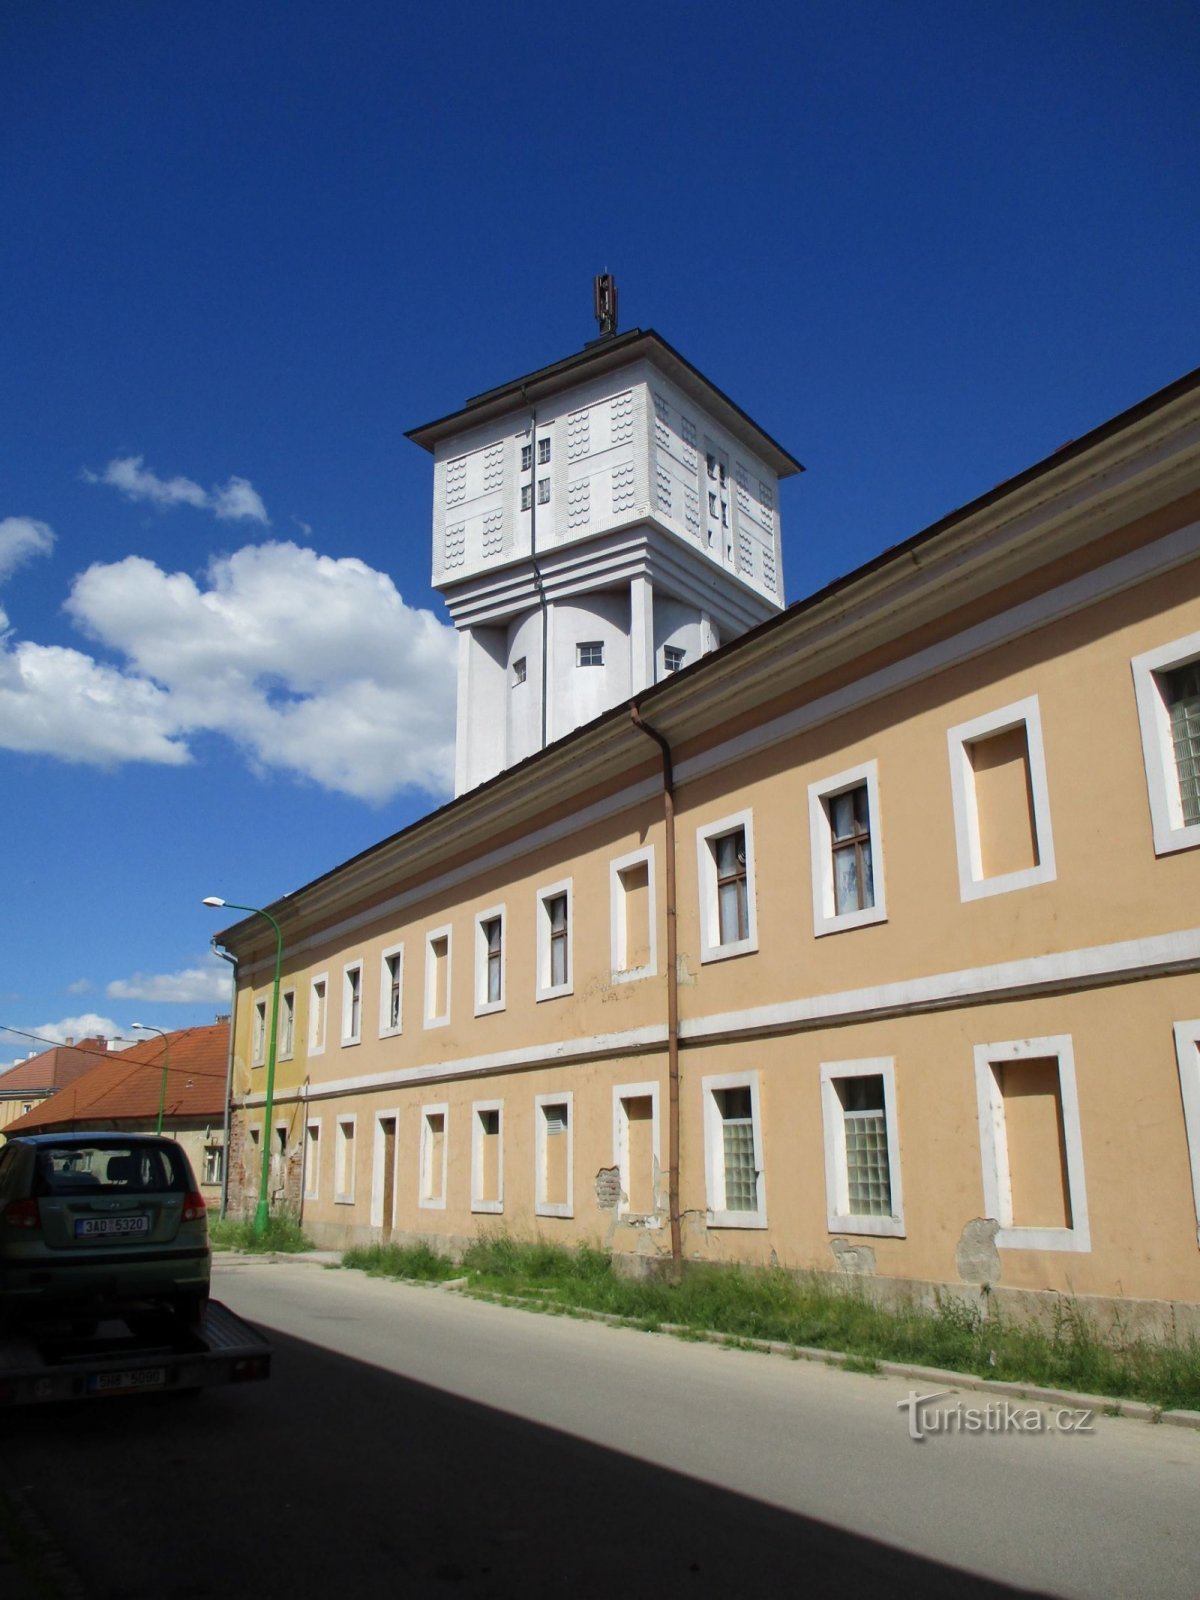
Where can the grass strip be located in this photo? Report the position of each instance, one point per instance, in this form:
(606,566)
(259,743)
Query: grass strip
(282,1235)
(799,1310)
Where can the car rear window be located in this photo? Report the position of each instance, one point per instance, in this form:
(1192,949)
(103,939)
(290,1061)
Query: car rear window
(110,1169)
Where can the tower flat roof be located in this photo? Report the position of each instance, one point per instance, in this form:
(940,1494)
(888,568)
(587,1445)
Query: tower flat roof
(596,358)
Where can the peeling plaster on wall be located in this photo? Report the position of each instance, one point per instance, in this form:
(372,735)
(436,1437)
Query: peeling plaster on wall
(683,977)
(976,1257)
(609,1193)
(858,1259)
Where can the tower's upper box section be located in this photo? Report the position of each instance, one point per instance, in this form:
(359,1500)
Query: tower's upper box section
(625,432)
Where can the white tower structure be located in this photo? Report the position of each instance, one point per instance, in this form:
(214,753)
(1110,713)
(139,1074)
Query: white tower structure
(596,525)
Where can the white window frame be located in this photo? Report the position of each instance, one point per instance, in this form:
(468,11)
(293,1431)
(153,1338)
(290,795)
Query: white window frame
(621,1093)
(993,1144)
(258,1043)
(217,1150)
(341,1195)
(826,917)
(837,1179)
(714,1152)
(545,989)
(351,1034)
(312,1178)
(433,1202)
(1187,1055)
(618,921)
(378,1220)
(542,1206)
(711,947)
(386,1030)
(496,1206)
(972,884)
(287,1025)
(447,933)
(316,1042)
(1170,831)
(483,1006)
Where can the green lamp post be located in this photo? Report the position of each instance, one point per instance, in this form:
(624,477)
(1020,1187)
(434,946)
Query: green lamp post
(145,1027)
(263,1209)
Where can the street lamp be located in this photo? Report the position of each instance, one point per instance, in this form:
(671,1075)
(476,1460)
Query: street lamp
(263,1209)
(144,1027)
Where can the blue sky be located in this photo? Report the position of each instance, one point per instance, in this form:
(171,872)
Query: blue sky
(247,246)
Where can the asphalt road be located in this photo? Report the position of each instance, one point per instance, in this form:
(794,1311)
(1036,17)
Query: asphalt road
(412,1442)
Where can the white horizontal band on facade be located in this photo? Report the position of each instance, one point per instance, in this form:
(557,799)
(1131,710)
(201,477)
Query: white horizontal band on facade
(1162,955)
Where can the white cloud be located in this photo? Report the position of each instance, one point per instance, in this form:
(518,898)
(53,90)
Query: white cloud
(88,1026)
(21,538)
(80,986)
(312,666)
(207,985)
(236,501)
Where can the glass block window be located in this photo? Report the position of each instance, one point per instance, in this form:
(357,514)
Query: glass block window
(741,1164)
(868,1177)
(850,827)
(1181,692)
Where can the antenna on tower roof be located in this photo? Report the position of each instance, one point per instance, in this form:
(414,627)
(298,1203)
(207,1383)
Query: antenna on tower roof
(604,300)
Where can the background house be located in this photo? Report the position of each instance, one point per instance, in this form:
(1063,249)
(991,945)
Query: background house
(122,1092)
(30,1082)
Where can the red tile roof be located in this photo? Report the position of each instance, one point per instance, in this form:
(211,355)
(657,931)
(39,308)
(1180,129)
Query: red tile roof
(126,1084)
(53,1069)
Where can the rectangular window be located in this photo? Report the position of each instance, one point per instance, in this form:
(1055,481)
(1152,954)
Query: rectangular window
(1031,1144)
(312,1159)
(554,941)
(343,1171)
(590,653)
(489,961)
(1167,686)
(636,1153)
(384,1168)
(733,1152)
(728,925)
(862,1150)
(673,656)
(391,991)
(316,1015)
(846,848)
(633,935)
(432,1187)
(543,452)
(260,1033)
(437,978)
(1187,1056)
(553,1152)
(543,491)
(287,1024)
(1001,802)
(212,1163)
(352,1003)
(518,671)
(526,457)
(526,496)
(487,1157)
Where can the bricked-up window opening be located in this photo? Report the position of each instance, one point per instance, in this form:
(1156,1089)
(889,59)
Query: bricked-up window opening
(493,933)
(212,1163)
(287,1023)
(312,1160)
(543,452)
(635,895)
(518,671)
(433,1157)
(556,912)
(316,1020)
(1036,1143)
(557,1135)
(638,1155)
(391,972)
(526,496)
(740,1157)
(487,1157)
(850,830)
(1008,840)
(673,657)
(1181,694)
(732,920)
(438,981)
(590,653)
(343,1178)
(868,1176)
(260,1032)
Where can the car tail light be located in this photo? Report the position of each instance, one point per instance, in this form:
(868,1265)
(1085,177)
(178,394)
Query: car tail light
(22,1214)
(194,1207)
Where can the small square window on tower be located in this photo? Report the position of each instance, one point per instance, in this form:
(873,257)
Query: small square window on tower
(590,653)
(673,658)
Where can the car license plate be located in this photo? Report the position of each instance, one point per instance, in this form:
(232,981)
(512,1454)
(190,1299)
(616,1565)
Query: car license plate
(101,1227)
(131,1378)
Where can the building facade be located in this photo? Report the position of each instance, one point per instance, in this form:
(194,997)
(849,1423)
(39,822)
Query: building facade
(868,945)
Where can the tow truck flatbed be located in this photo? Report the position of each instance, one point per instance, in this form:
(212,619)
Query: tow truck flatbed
(131,1356)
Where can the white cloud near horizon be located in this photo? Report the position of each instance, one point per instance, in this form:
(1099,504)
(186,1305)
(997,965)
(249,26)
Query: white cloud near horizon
(208,984)
(90,1025)
(20,539)
(235,501)
(313,666)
